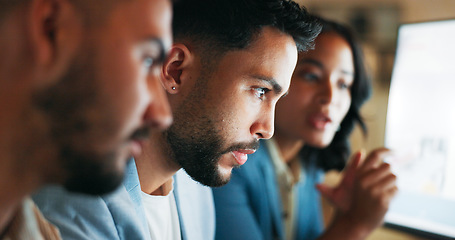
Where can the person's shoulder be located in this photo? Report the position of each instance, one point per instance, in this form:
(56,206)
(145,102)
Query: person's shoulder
(29,222)
(77,216)
(53,199)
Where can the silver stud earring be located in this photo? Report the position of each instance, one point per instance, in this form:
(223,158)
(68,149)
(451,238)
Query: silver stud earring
(173,88)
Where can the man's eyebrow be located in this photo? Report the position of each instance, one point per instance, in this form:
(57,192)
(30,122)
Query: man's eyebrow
(271,81)
(163,53)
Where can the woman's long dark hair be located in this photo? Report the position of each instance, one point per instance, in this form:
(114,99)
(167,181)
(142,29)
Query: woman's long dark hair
(337,153)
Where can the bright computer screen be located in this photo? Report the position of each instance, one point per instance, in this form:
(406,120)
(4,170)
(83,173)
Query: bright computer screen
(421,128)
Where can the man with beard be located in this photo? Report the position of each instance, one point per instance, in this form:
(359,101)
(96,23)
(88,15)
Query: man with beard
(231,62)
(79,90)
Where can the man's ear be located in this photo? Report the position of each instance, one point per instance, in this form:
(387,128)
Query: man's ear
(175,69)
(54,29)
(42,29)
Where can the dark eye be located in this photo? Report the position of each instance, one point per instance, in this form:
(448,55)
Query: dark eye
(343,85)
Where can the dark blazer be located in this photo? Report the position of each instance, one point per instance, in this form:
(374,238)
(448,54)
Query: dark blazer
(249,206)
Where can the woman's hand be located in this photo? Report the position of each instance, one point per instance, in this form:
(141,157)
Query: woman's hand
(364,194)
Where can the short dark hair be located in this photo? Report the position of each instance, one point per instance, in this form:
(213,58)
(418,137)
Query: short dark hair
(337,153)
(223,25)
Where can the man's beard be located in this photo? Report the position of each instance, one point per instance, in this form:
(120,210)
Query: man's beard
(199,154)
(66,106)
(90,173)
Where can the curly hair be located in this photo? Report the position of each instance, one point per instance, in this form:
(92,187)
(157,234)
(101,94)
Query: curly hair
(337,153)
(219,26)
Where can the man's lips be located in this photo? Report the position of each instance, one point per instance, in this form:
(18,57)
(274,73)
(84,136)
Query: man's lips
(241,156)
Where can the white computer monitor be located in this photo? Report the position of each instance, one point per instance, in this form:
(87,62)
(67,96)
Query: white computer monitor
(420,128)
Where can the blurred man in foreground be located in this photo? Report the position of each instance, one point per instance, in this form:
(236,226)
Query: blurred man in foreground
(79,90)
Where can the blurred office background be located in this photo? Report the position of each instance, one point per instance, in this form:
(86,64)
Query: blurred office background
(376,23)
